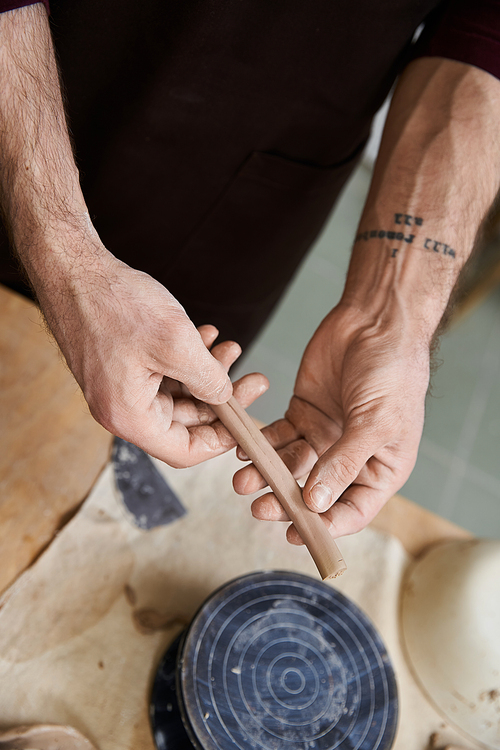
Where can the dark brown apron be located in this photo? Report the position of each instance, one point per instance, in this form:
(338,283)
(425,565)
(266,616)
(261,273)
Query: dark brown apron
(214,136)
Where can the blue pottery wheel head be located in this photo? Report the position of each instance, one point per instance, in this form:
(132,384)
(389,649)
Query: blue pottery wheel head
(280,661)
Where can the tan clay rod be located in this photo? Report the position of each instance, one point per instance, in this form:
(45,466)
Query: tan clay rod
(311,528)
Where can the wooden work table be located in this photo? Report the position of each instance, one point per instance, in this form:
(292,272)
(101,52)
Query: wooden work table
(52,450)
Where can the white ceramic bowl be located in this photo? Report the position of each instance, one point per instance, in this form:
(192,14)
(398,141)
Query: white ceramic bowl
(450,625)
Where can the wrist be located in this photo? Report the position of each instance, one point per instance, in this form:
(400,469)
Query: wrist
(401,265)
(387,314)
(63,256)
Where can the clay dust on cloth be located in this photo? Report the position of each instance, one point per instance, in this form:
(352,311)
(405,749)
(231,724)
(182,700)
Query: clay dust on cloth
(82,631)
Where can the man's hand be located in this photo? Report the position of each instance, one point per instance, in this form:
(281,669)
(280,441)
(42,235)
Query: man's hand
(144,369)
(356,416)
(355,420)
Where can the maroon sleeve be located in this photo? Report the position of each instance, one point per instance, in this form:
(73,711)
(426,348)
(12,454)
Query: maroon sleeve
(467,31)
(13,4)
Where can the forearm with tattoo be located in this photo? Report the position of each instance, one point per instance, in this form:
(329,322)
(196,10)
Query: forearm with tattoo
(398,237)
(436,176)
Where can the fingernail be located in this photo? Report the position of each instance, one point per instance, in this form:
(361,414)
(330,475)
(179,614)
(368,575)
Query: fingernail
(321,497)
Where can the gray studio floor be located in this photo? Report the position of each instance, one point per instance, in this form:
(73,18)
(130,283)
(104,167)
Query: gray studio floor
(458,469)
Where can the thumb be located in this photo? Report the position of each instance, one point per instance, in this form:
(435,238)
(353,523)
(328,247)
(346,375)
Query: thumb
(337,468)
(204,376)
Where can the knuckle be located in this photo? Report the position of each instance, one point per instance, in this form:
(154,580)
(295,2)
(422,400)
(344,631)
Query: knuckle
(353,517)
(343,469)
(361,513)
(299,456)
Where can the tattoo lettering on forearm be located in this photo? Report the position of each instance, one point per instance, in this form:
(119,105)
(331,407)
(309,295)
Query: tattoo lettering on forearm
(407,220)
(439,247)
(382,233)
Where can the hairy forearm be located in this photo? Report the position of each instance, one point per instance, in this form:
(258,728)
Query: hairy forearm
(124,336)
(435,179)
(39,184)
(356,417)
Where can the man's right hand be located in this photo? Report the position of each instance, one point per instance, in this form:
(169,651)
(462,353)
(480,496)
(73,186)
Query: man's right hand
(146,372)
(143,367)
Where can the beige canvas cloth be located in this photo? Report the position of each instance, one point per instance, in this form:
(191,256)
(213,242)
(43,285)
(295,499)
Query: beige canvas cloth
(82,631)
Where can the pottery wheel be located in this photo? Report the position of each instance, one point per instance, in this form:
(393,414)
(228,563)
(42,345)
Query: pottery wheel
(273,661)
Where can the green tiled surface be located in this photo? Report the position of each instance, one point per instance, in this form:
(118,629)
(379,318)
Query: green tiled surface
(485,452)
(458,468)
(311,296)
(427,482)
(452,389)
(464,420)
(478,508)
